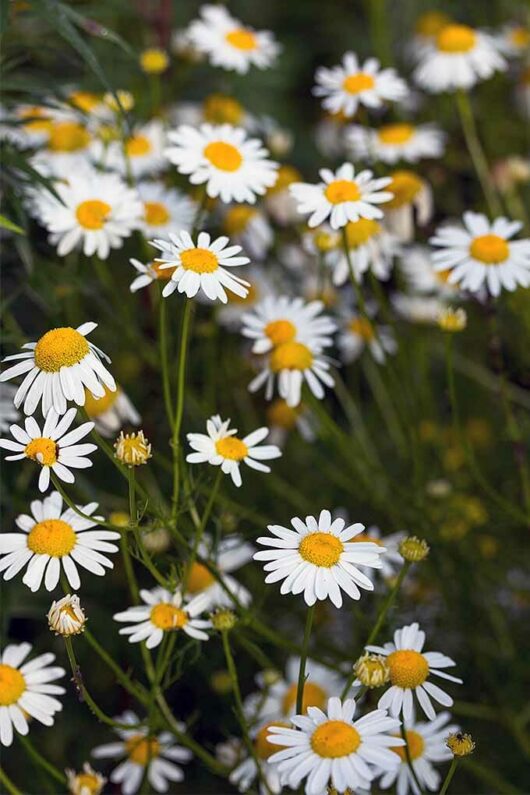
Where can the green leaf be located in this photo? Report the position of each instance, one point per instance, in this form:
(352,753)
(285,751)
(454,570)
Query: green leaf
(5,223)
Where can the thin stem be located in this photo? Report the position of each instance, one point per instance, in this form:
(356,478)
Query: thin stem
(449,776)
(303,660)
(8,784)
(179,407)
(477,152)
(57,483)
(409,758)
(50,769)
(200,530)
(134,689)
(164,359)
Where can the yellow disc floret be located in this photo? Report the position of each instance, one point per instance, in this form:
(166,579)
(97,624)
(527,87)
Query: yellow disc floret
(156,213)
(68,136)
(199,578)
(200,260)
(360,232)
(321,549)
(456,39)
(408,668)
(490,249)
(166,616)
(431,23)
(93,214)
(142,750)
(313,696)
(279,331)
(95,407)
(334,739)
(238,218)
(154,61)
(42,450)
(138,146)
(416,746)
(354,84)
(342,190)
(52,537)
(60,347)
(223,156)
(361,327)
(405,186)
(264,748)
(12,685)
(392,134)
(242,39)
(291,356)
(221,109)
(232,448)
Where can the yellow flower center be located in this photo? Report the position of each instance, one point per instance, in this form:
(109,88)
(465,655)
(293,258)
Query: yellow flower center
(142,750)
(395,133)
(94,407)
(286,176)
(199,578)
(154,61)
(334,739)
(359,232)
(279,413)
(156,213)
(405,186)
(326,241)
(408,668)
(167,617)
(84,100)
(200,260)
(12,685)
(456,39)
(42,450)
(279,331)
(60,347)
(363,328)
(52,537)
(237,219)
(250,297)
(313,696)
(68,136)
(92,214)
(242,39)
(138,146)
(132,449)
(321,549)
(223,156)
(364,537)
(40,122)
(490,249)
(415,743)
(163,274)
(431,23)
(291,356)
(220,109)
(264,748)
(354,84)
(88,781)
(232,448)
(342,190)
(520,37)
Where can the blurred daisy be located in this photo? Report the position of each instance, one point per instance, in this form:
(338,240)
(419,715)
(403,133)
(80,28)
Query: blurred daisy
(229,554)
(418,308)
(279,202)
(283,419)
(34,124)
(483,254)
(111,412)
(410,670)
(412,203)
(233,167)
(26,690)
(95,213)
(221,447)
(201,266)
(54,448)
(8,411)
(142,152)
(417,266)
(513,40)
(371,248)
(391,561)
(351,84)
(66,148)
(246,771)
(342,196)
(149,273)
(57,368)
(459,57)
(230,44)
(52,539)
(276,321)
(151,756)
(427,27)
(165,209)
(360,333)
(87,782)
(230,314)
(393,142)
(319,558)
(330,748)
(250,227)
(427,744)
(163,612)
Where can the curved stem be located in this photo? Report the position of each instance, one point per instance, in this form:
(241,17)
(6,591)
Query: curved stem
(303,660)
(409,758)
(449,776)
(179,407)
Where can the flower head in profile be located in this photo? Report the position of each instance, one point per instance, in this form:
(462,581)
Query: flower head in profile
(412,204)
(66,617)
(87,782)
(165,209)
(317,557)
(371,247)
(393,142)
(141,153)
(132,449)
(111,412)
(221,446)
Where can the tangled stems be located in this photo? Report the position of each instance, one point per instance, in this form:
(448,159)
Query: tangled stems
(179,407)
(409,758)
(303,659)
(449,776)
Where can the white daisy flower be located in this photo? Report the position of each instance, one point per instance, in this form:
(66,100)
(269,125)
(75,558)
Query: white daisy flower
(278,200)
(330,748)
(148,273)
(96,212)
(33,125)
(342,196)
(393,142)
(57,368)
(427,745)
(142,152)
(250,227)
(163,612)
(418,308)
(229,554)
(458,58)
(111,412)
(165,209)
(221,447)
(371,248)
(230,44)
(201,266)
(412,203)
(352,83)
(483,254)
(26,690)
(8,411)
(391,561)
(513,40)
(52,539)
(87,782)
(66,148)
(417,266)
(233,166)
(319,558)
(230,315)
(148,755)
(426,28)
(410,669)
(276,321)
(360,333)
(54,448)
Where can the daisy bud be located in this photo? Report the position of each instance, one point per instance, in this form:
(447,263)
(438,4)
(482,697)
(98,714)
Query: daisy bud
(156,541)
(372,670)
(89,782)
(221,682)
(132,449)
(414,549)
(119,518)
(452,320)
(271,676)
(460,744)
(126,101)
(223,620)
(66,617)
(154,61)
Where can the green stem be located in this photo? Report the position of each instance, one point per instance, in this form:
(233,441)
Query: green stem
(477,152)
(409,758)
(50,769)
(303,660)
(449,776)
(123,679)
(8,784)
(57,483)
(200,530)
(179,407)
(164,359)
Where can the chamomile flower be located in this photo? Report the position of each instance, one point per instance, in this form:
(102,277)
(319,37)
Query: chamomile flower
(319,558)
(342,196)
(412,203)
(229,554)
(410,669)
(148,273)
(26,690)
(142,152)
(352,83)
(201,266)
(66,616)
(229,43)
(220,446)
(330,748)
(371,248)
(163,612)
(513,40)
(427,745)
(276,321)
(233,167)
(417,266)
(54,448)
(250,227)
(57,368)
(426,28)
(153,756)
(482,254)
(87,782)
(458,58)
(359,333)
(95,213)
(393,142)
(111,412)
(53,539)
(165,209)
(66,148)
(283,419)
(8,410)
